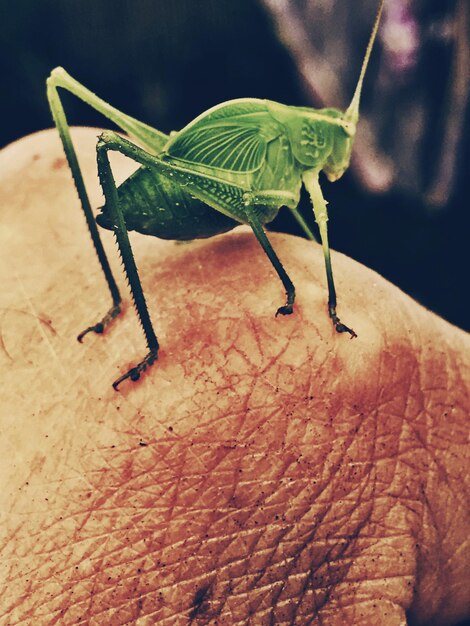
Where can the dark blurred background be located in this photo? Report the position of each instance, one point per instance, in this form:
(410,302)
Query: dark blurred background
(401,209)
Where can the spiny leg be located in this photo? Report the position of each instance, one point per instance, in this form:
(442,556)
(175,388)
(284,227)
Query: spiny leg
(310,179)
(120,231)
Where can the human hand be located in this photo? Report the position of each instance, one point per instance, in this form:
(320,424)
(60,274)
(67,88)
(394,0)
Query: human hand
(263,471)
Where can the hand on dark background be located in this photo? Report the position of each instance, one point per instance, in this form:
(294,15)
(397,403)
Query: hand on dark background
(264,470)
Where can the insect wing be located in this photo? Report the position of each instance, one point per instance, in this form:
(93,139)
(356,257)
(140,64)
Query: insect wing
(232,137)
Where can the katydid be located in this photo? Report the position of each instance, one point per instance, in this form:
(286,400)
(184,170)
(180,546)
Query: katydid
(237,163)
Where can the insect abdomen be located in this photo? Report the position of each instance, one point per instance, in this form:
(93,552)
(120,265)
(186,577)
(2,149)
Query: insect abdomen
(153,205)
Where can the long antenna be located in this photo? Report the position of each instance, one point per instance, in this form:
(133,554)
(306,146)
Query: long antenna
(352,112)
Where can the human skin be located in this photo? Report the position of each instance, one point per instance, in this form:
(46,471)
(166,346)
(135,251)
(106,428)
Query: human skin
(264,471)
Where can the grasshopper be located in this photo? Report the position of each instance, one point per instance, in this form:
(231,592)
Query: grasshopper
(237,163)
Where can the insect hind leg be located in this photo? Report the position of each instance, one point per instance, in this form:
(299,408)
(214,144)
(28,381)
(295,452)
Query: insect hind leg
(64,132)
(107,142)
(148,136)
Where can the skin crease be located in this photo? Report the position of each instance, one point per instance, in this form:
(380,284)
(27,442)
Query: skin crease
(265,471)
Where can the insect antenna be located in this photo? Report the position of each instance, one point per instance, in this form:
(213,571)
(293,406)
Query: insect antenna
(352,112)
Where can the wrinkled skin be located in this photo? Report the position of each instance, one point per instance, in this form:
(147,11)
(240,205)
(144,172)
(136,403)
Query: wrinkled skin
(266,471)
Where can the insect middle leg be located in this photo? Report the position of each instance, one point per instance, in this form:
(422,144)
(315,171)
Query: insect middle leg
(260,235)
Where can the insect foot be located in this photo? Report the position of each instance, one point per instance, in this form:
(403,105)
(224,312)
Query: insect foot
(339,326)
(134,372)
(288,309)
(100,326)
(342,328)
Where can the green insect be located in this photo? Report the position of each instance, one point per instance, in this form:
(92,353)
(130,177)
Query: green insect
(237,163)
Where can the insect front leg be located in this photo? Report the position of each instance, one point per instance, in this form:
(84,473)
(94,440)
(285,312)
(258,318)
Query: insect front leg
(310,179)
(303,224)
(120,230)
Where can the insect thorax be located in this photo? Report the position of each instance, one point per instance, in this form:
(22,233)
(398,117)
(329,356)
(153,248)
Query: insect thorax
(318,137)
